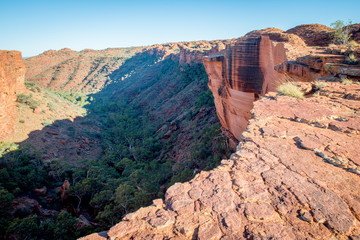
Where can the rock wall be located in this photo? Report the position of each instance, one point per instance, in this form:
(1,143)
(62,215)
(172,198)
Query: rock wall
(12,75)
(239,75)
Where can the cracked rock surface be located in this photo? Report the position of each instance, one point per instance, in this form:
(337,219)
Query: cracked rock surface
(295,176)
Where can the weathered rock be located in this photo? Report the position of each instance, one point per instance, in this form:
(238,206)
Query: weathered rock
(41,191)
(37,110)
(294,177)
(63,189)
(355,32)
(24,206)
(260,61)
(313,34)
(12,75)
(96,236)
(239,75)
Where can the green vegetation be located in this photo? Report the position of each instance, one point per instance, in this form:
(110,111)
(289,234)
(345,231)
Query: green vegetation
(351,59)
(7,147)
(291,90)
(342,32)
(77,98)
(205,99)
(51,106)
(22,171)
(47,123)
(28,100)
(32,86)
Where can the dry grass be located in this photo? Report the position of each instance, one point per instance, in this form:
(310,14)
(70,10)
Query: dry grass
(353,44)
(291,90)
(319,84)
(346,81)
(351,59)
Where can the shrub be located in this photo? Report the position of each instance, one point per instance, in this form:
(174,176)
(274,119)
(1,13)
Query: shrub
(342,32)
(32,86)
(51,106)
(291,90)
(47,123)
(27,99)
(353,44)
(318,85)
(346,81)
(77,98)
(351,59)
(7,147)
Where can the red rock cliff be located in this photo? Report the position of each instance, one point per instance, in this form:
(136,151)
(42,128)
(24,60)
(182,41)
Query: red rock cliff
(239,75)
(12,75)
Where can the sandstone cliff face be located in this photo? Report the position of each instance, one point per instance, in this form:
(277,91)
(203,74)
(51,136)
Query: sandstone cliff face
(12,75)
(239,75)
(295,177)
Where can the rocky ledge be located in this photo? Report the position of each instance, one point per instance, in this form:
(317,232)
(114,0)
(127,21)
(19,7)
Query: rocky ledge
(294,176)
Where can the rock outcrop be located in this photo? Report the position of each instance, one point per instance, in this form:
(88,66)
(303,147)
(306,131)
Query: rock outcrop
(313,34)
(262,59)
(239,75)
(295,176)
(12,75)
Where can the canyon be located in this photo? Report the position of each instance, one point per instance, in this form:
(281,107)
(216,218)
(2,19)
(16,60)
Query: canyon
(294,173)
(266,189)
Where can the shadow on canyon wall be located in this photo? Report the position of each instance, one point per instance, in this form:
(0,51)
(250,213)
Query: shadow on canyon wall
(152,125)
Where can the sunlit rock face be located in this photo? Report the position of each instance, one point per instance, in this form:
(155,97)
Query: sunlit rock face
(12,75)
(239,75)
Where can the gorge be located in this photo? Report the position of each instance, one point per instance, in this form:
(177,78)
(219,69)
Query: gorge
(143,120)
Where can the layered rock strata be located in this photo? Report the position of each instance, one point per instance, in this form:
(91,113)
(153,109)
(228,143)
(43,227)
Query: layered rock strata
(12,75)
(295,177)
(239,75)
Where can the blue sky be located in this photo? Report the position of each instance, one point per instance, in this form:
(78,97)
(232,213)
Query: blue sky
(33,26)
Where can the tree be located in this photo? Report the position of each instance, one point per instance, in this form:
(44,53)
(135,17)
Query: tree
(342,32)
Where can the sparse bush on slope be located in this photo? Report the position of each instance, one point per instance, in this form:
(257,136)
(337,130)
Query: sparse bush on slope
(28,100)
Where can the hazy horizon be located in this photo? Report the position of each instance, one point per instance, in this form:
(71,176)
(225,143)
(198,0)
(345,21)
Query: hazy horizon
(37,26)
